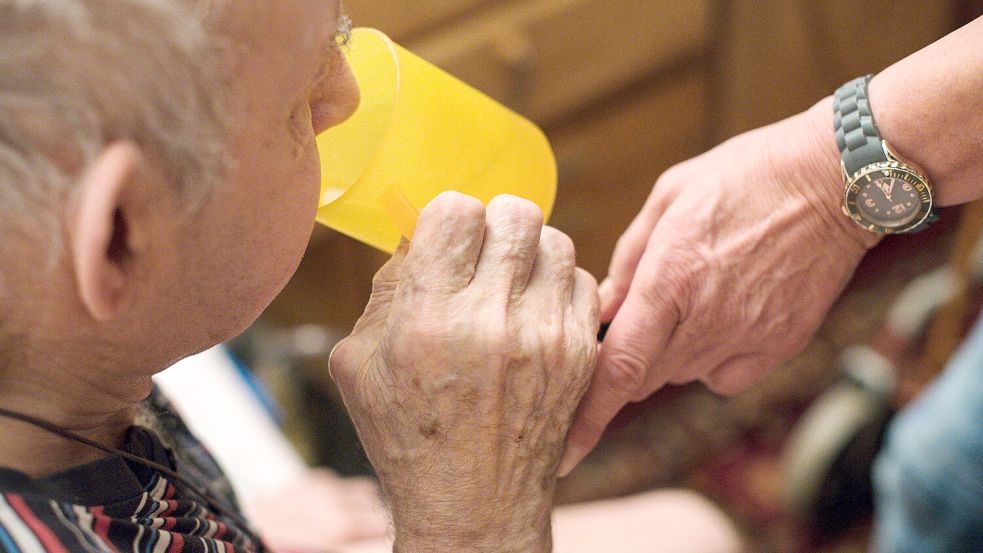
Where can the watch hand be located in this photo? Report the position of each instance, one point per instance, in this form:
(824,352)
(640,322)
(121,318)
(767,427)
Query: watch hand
(885,190)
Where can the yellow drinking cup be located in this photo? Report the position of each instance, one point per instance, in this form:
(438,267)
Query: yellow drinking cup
(418,132)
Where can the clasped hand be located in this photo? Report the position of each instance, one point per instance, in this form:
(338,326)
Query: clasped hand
(464,372)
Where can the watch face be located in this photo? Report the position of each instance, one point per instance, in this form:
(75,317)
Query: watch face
(888,202)
(888,197)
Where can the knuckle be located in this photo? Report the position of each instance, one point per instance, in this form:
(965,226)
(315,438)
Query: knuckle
(343,358)
(663,297)
(677,282)
(517,209)
(588,280)
(626,373)
(558,255)
(451,204)
(558,243)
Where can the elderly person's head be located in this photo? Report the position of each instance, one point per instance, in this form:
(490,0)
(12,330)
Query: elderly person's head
(158,180)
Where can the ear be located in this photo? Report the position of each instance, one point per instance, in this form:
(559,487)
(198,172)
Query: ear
(108,229)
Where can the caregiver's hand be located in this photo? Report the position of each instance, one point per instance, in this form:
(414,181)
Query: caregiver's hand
(464,373)
(728,270)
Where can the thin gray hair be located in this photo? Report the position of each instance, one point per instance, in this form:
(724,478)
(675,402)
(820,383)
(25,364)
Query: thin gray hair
(76,75)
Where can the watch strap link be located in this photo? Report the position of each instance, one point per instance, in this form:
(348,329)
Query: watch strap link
(856,132)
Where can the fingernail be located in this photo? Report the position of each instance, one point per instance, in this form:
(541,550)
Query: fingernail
(571,457)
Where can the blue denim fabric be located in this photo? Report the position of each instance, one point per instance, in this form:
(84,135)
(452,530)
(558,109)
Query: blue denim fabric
(928,480)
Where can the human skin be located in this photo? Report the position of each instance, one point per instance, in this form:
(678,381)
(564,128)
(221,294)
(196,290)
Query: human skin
(738,254)
(663,521)
(463,374)
(471,357)
(140,282)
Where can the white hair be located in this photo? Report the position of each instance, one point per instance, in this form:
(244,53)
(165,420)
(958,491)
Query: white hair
(78,74)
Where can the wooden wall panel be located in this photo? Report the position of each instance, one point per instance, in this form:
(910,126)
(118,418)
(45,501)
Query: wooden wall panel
(402,19)
(609,161)
(547,58)
(779,56)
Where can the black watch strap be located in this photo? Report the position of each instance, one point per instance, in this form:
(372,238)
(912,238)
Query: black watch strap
(856,133)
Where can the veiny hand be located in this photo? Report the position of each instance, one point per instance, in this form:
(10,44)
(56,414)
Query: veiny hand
(464,373)
(728,270)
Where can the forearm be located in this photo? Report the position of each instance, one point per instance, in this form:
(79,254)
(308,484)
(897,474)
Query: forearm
(929,107)
(739,253)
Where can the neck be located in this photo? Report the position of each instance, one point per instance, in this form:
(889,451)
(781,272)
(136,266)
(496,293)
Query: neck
(96,404)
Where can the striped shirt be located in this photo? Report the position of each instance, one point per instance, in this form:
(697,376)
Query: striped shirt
(117,506)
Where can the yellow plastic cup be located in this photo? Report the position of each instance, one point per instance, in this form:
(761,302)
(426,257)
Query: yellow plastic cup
(418,132)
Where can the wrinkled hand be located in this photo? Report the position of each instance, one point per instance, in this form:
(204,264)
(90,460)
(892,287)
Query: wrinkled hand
(728,270)
(463,374)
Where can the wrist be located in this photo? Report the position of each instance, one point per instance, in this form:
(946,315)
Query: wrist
(473,533)
(411,543)
(824,161)
(929,108)
(435,523)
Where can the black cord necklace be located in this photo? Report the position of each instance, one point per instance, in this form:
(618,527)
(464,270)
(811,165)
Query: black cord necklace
(219,506)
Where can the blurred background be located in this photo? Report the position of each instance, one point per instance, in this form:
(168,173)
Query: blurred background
(625,89)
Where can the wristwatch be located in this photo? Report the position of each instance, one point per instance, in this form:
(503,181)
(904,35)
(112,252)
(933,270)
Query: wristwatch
(884,193)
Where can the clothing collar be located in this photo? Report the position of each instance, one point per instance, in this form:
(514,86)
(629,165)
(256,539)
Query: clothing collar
(101,482)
